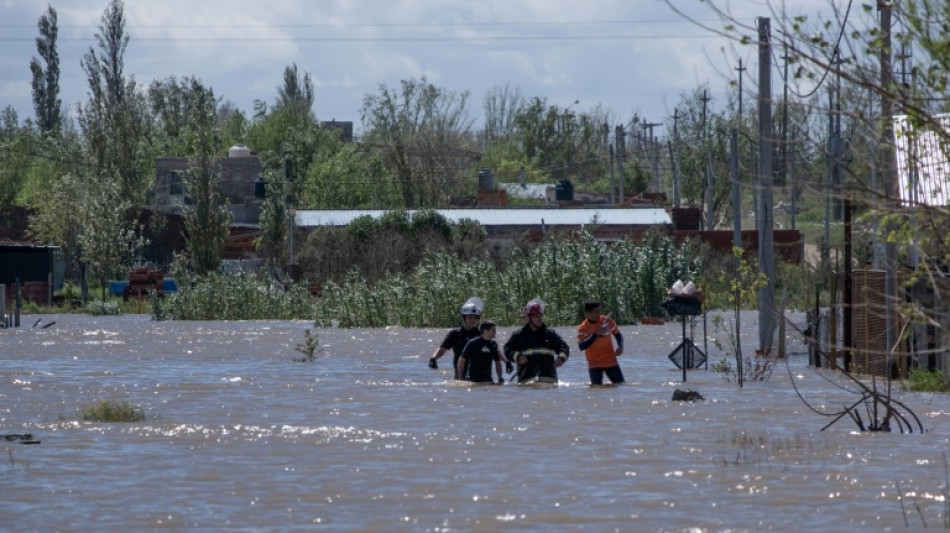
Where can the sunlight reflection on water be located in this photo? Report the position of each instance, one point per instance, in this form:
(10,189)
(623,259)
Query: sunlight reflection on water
(367,438)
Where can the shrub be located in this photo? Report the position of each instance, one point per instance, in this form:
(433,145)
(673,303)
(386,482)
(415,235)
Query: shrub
(925,381)
(113,411)
(100,308)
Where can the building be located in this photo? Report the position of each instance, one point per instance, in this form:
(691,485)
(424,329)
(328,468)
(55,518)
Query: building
(605,223)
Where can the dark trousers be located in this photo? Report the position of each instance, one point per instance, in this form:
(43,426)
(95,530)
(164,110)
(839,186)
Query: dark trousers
(537,366)
(597,375)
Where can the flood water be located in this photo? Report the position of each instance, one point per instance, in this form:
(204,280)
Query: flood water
(240,437)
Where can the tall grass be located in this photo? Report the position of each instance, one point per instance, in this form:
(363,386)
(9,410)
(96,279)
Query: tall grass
(235,297)
(630,279)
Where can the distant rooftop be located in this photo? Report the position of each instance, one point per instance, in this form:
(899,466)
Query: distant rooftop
(633,216)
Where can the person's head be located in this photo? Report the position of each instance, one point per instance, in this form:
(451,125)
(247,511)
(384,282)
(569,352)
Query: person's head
(487,329)
(470,313)
(534,310)
(592,310)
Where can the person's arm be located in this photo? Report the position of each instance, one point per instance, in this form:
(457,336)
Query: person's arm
(446,344)
(502,358)
(461,368)
(619,338)
(563,352)
(501,378)
(585,342)
(512,352)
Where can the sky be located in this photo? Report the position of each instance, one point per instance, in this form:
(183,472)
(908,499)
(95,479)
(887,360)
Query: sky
(627,56)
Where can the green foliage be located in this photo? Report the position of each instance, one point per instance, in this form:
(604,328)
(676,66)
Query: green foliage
(743,282)
(236,297)
(208,218)
(631,281)
(310,347)
(422,133)
(46,101)
(926,381)
(113,411)
(101,308)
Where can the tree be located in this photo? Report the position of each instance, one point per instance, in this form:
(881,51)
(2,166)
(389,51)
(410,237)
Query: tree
(207,218)
(46,99)
(107,242)
(502,106)
(58,220)
(423,134)
(297,91)
(114,120)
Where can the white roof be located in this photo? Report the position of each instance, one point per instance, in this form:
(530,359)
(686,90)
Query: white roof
(554,216)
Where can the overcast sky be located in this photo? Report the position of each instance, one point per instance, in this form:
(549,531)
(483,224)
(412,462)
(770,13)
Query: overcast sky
(629,56)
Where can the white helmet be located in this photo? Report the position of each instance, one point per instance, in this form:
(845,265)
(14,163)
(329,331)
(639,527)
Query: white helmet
(472,306)
(535,306)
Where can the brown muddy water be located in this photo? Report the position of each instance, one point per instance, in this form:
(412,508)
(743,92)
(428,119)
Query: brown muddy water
(367,438)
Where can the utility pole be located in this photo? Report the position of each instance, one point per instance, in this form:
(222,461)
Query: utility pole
(610,160)
(766,239)
(889,177)
(613,199)
(288,206)
(621,140)
(710,181)
(654,152)
(736,198)
(783,175)
(675,162)
(829,178)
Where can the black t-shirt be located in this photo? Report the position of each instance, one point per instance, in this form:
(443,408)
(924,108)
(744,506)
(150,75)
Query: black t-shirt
(480,353)
(456,340)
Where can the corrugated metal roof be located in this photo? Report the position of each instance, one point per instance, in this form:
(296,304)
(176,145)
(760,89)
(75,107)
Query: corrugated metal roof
(633,216)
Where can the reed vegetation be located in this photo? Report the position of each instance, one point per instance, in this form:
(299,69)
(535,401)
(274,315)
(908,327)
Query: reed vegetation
(630,279)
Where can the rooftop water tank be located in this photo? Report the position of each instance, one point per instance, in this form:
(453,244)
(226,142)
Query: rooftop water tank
(486,180)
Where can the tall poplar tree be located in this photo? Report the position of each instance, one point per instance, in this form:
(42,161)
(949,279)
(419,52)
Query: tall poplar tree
(46,99)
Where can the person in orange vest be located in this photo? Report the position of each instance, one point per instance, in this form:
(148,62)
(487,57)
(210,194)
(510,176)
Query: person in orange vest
(594,338)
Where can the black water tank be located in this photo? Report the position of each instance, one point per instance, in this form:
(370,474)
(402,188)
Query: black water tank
(564,190)
(260,189)
(486,180)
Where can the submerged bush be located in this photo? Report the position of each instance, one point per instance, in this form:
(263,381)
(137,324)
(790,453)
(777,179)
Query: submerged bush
(926,381)
(100,308)
(112,411)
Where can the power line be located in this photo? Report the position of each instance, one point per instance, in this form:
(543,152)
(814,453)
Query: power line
(371,25)
(461,39)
